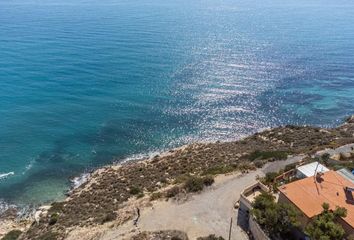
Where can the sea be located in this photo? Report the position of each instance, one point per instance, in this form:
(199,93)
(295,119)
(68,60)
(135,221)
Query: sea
(86,83)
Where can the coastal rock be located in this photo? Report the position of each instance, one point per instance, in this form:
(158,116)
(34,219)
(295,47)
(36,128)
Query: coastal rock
(10,213)
(324,131)
(41,212)
(350,119)
(109,189)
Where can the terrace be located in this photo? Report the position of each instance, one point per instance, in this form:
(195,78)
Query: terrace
(250,193)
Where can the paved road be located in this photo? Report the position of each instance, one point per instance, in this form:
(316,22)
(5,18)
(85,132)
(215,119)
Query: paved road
(277,165)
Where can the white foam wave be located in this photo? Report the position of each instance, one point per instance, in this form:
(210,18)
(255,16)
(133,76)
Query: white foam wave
(4,206)
(140,156)
(29,166)
(22,212)
(6,175)
(78,181)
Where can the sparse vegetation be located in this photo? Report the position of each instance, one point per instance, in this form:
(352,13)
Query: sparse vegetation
(140,195)
(134,190)
(325,158)
(49,236)
(56,207)
(270,176)
(172,192)
(109,190)
(53,218)
(220,169)
(246,166)
(277,155)
(156,195)
(211,237)
(349,164)
(350,237)
(169,234)
(108,217)
(182,178)
(194,184)
(12,235)
(259,163)
(208,180)
(190,184)
(290,166)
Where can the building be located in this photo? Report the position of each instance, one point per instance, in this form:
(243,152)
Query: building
(346,174)
(310,169)
(249,194)
(244,218)
(308,195)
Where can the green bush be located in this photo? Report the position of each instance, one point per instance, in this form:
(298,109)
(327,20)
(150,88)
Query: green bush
(275,218)
(219,169)
(211,237)
(270,176)
(53,219)
(176,238)
(134,190)
(172,192)
(163,180)
(325,226)
(290,166)
(325,157)
(277,155)
(12,235)
(156,195)
(56,207)
(194,184)
(245,166)
(181,178)
(351,237)
(258,163)
(49,236)
(108,217)
(208,180)
(140,195)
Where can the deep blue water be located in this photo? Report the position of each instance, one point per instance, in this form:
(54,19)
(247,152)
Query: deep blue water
(85,83)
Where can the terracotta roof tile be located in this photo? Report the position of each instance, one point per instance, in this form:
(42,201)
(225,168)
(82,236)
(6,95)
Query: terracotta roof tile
(309,195)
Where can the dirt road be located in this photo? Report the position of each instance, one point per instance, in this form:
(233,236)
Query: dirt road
(208,212)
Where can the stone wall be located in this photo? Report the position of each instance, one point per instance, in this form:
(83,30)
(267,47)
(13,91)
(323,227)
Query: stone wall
(256,230)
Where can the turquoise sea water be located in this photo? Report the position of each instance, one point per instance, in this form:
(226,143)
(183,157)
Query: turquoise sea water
(84,83)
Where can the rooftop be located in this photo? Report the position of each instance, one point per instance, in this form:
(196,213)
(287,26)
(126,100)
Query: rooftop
(346,174)
(252,195)
(310,193)
(310,169)
(251,192)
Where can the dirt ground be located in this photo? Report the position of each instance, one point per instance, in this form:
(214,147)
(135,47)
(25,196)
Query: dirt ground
(208,212)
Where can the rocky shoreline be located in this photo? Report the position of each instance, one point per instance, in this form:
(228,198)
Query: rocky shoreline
(106,195)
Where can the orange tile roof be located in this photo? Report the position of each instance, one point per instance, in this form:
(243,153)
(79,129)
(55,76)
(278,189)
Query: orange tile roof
(309,195)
